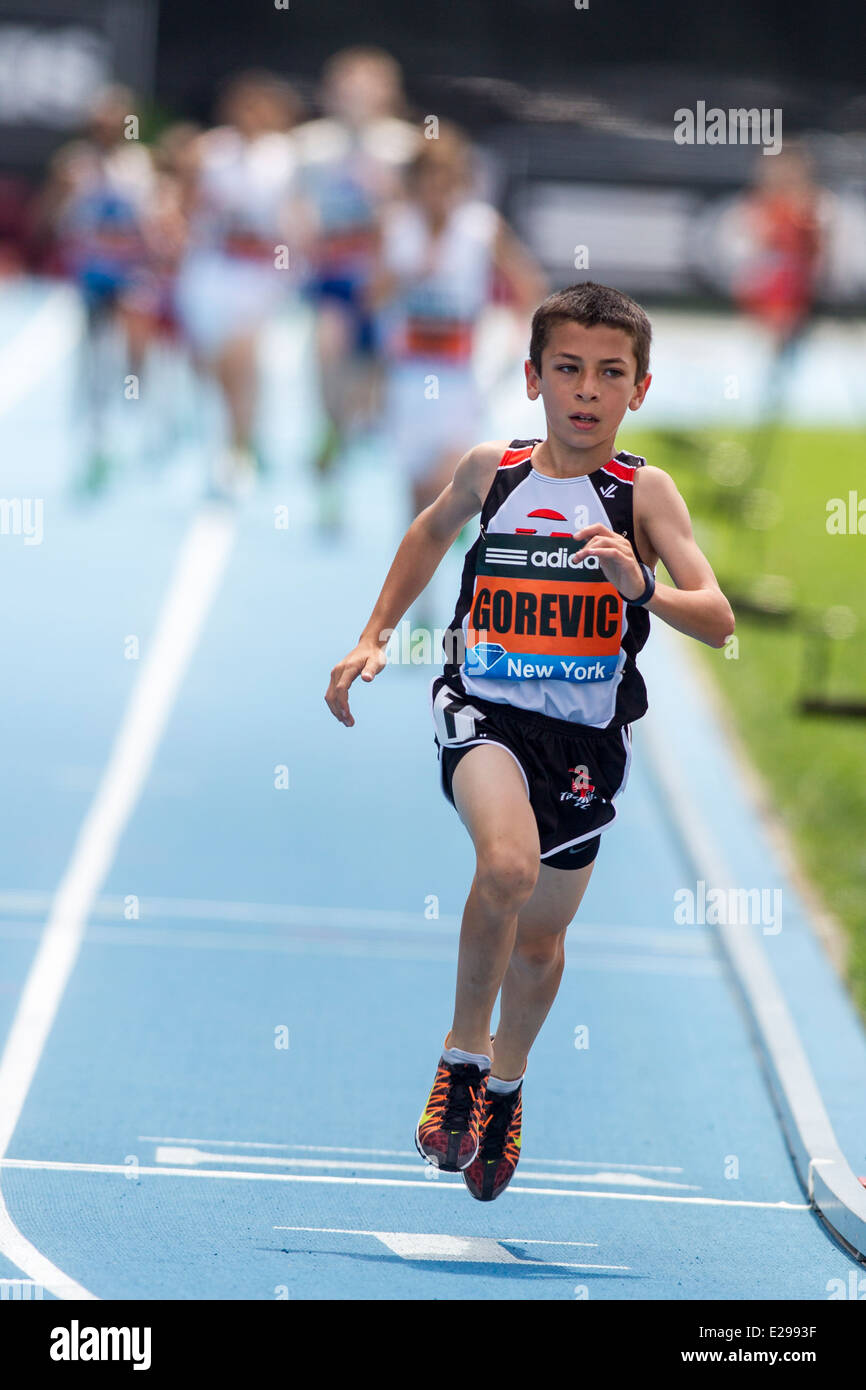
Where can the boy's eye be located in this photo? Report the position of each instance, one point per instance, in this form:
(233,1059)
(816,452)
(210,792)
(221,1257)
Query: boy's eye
(608,371)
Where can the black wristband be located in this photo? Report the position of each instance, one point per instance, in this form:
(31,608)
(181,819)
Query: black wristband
(649,588)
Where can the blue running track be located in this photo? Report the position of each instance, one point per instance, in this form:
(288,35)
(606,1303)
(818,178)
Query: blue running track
(224,1102)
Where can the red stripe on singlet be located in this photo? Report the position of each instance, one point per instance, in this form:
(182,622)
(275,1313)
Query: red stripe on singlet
(512,457)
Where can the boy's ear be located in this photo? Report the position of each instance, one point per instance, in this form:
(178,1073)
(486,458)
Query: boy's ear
(639,392)
(533,380)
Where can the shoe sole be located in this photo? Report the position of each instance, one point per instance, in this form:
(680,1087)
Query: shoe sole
(443,1167)
(493,1196)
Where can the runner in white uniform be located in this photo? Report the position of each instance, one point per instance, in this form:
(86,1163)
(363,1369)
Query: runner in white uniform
(234,275)
(350,165)
(440,250)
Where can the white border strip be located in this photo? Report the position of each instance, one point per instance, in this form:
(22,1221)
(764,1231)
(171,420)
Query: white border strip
(200,565)
(823,1170)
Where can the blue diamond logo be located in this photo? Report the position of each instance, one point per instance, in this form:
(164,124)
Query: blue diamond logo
(487,654)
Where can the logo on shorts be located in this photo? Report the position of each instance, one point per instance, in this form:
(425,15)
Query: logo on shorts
(582,788)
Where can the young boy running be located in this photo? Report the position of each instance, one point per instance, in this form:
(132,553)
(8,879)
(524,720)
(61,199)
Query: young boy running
(533,712)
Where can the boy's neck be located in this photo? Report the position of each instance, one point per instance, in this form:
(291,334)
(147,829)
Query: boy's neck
(559,461)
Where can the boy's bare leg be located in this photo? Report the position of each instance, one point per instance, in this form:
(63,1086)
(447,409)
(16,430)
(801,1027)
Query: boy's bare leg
(490,796)
(535,969)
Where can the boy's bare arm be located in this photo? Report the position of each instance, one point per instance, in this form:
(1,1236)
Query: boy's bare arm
(663,531)
(431,533)
(697,605)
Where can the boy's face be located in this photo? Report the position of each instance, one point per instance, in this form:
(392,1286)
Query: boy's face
(587,382)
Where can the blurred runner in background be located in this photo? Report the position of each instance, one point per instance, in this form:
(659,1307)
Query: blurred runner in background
(781,222)
(441,250)
(350,162)
(166,224)
(16,230)
(94,206)
(153,294)
(235,273)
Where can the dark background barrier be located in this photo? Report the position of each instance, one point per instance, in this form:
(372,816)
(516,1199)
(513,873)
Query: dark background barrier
(573,109)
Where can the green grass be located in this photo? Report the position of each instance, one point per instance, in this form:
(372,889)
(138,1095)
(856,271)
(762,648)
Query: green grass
(759,508)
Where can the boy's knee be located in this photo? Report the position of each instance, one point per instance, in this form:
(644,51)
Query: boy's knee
(506,875)
(539,954)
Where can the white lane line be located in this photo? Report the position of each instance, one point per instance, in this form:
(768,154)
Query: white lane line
(623,1179)
(442,1184)
(50,333)
(822,1167)
(394,1153)
(533,1240)
(684,941)
(200,565)
(699,969)
(315,943)
(599,1163)
(171,1154)
(264,914)
(513,1240)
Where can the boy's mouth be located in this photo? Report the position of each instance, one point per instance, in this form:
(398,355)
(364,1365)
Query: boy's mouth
(583,420)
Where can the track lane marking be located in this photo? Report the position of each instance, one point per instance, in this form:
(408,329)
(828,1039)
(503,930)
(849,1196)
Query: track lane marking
(513,1240)
(39,346)
(174,1155)
(689,940)
(395,1153)
(799,1105)
(199,567)
(442,1184)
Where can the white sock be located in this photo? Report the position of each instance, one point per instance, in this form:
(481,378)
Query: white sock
(502,1088)
(456,1054)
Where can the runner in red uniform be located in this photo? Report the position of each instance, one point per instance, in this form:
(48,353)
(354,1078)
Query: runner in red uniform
(783,221)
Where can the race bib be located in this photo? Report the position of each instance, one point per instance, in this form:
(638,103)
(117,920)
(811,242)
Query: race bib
(540,612)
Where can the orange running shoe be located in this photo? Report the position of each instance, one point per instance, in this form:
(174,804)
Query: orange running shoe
(499,1148)
(447,1132)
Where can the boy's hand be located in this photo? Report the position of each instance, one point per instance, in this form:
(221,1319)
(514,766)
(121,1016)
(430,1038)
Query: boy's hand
(615,556)
(366,661)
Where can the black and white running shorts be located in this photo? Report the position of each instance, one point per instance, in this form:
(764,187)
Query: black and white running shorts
(573,774)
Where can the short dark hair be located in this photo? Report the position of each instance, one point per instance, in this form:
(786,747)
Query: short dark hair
(591,305)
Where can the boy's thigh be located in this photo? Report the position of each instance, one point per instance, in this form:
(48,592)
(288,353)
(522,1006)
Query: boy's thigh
(555,900)
(491,798)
